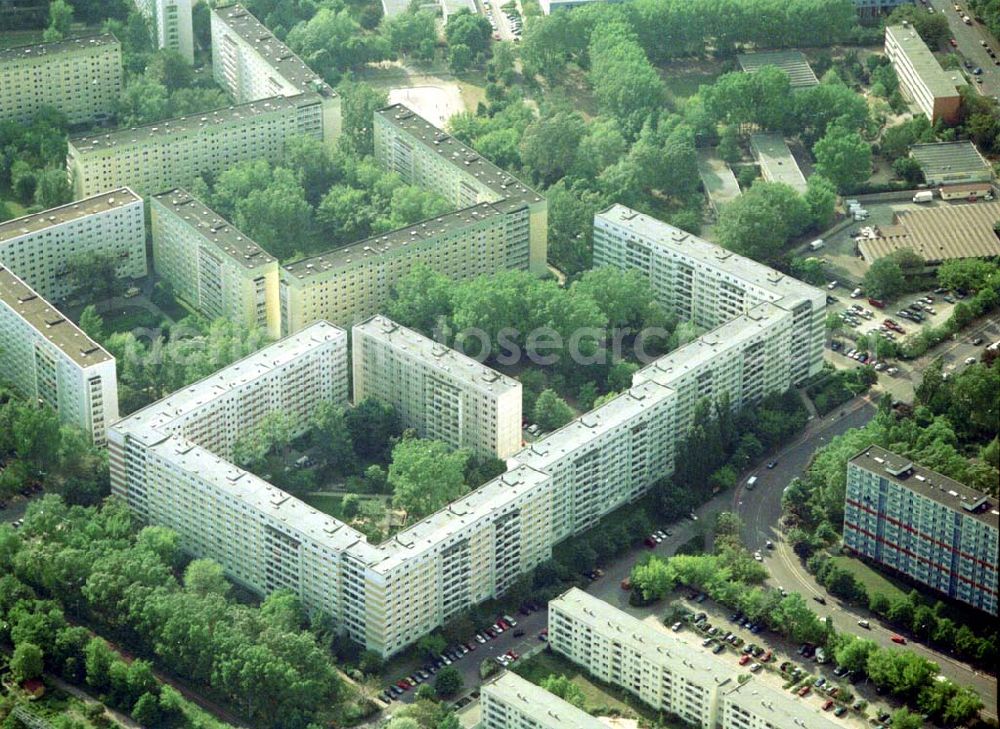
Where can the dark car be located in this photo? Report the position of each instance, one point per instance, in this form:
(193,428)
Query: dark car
(820,599)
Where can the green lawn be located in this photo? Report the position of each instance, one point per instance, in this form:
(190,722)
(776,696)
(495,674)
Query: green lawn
(685,85)
(327,503)
(16,209)
(604,700)
(874,582)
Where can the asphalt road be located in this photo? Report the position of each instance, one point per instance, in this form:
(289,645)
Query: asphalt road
(760,511)
(969,46)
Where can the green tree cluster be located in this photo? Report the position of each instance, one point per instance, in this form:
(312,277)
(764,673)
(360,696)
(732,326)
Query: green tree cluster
(426,475)
(760,223)
(33,160)
(116,577)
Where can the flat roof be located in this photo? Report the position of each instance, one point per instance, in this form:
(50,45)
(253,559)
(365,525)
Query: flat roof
(584,430)
(70,45)
(435,354)
(49,321)
(504,184)
(192,122)
(546,709)
(930,484)
(780,709)
(717,177)
(36,222)
(151,424)
(938,81)
(939,233)
(379,245)
(793,63)
(657,233)
(940,158)
(223,235)
(776,160)
(278,56)
(658,646)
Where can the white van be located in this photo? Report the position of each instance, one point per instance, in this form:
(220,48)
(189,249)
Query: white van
(816,244)
(751,482)
(924,196)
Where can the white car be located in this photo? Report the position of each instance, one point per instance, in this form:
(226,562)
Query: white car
(676,627)
(754,667)
(758,556)
(970,360)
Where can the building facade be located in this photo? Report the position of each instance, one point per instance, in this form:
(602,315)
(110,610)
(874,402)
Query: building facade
(213,265)
(436,390)
(82,78)
(170,22)
(921,78)
(924,525)
(670,672)
(711,286)
(510,702)
(42,247)
(172,153)
(48,359)
(252,64)
(429,157)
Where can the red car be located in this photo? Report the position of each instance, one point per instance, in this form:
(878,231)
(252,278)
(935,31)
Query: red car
(954,43)
(898,639)
(877,303)
(405,685)
(827,705)
(803,691)
(744,659)
(766,657)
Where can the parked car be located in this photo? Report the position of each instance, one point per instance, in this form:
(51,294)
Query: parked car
(896,638)
(803,691)
(864,624)
(744,659)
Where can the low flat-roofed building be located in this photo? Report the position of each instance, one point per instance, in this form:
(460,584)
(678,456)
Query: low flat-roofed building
(213,265)
(939,233)
(47,358)
(718,178)
(951,163)
(776,161)
(968,191)
(929,527)
(793,63)
(435,389)
(921,78)
(42,247)
(511,702)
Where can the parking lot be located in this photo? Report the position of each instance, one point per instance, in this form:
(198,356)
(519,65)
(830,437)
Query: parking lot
(505,17)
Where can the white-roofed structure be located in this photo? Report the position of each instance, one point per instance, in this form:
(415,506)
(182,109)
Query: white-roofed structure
(510,702)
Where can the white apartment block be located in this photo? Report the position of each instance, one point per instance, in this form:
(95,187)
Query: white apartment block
(510,702)
(81,77)
(172,153)
(170,21)
(670,672)
(42,247)
(921,78)
(350,284)
(709,285)
(436,390)
(213,265)
(427,156)
(252,64)
(663,670)
(49,359)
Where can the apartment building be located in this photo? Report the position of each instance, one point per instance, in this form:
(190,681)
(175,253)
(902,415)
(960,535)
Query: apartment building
(921,78)
(662,670)
(172,153)
(350,284)
(81,77)
(427,156)
(170,22)
(252,64)
(923,525)
(709,285)
(510,702)
(436,390)
(669,672)
(212,264)
(48,359)
(42,247)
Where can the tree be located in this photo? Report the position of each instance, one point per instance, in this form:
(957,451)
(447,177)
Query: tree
(333,439)
(411,33)
(909,170)
(625,84)
(432,645)
(91,323)
(729,145)
(852,653)
(268,215)
(373,425)
(565,689)
(147,710)
(26,662)
(903,719)
(421,299)
(60,17)
(206,577)
(359,102)
(448,682)
(884,279)
(52,189)
(470,31)
(843,157)
(653,579)
(425,475)
(821,199)
(460,57)
(759,223)
(551,411)
(94,275)
(549,145)
(966,274)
